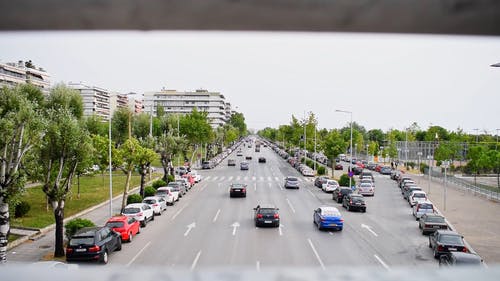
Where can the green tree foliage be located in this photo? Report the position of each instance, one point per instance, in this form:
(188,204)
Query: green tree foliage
(448,151)
(149,191)
(21,209)
(21,129)
(76,224)
(134,198)
(196,128)
(344,180)
(125,159)
(334,144)
(95,125)
(144,157)
(141,125)
(120,125)
(65,144)
(237,120)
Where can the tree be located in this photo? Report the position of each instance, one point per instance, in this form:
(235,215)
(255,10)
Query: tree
(96,126)
(334,144)
(21,127)
(125,159)
(65,144)
(494,161)
(477,160)
(195,127)
(168,146)
(144,157)
(237,120)
(120,125)
(141,126)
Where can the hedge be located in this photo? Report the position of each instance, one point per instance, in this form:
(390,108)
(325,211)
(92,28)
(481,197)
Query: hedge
(76,224)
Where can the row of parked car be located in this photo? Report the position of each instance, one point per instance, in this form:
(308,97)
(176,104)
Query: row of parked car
(447,245)
(97,243)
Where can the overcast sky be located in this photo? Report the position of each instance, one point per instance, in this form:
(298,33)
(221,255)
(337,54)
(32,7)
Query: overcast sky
(387,81)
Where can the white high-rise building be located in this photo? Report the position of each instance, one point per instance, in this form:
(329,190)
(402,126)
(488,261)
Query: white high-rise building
(13,74)
(172,101)
(95,100)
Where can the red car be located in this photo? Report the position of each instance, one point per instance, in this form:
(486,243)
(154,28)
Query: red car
(190,179)
(128,227)
(339,167)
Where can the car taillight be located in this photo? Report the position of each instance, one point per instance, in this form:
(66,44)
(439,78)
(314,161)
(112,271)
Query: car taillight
(155,204)
(259,216)
(276,216)
(244,190)
(139,214)
(341,220)
(426,225)
(350,201)
(69,250)
(465,250)
(94,249)
(440,248)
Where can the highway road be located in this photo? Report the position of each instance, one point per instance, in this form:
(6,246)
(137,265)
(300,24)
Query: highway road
(207,229)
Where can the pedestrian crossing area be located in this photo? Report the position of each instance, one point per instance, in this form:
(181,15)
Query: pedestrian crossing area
(251,178)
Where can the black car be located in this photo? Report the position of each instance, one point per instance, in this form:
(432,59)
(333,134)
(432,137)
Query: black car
(266,215)
(460,259)
(319,181)
(248,157)
(262,159)
(357,170)
(238,190)
(93,244)
(231,162)
(339,193)
(206,165)
(354,202)
(445,241)
(431,222)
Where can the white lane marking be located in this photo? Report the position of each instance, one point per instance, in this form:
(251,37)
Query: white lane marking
(230,178)
(193,265)
(261,178)
(203,187)
(369,229)
(138,254)
(281,229)
(253,178)
(216,216)
(215,178)
(246,178)
(281,187)
(276,179)
(207,178)
(329,232)
(257,265)
(235,226)
(238,178)
(255,186)
(178,212)
(290,204)
(299,179)
(381,262)
(316,254)
(222,178)
(311,193)
(270,185)
(189,227)
(269,179)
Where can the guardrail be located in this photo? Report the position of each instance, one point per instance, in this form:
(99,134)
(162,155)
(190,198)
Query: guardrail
(489,194)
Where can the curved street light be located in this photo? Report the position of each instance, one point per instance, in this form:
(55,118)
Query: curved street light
(350,147)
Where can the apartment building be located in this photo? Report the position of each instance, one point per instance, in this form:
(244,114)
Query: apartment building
(173,101)
(13,74)
(95,100)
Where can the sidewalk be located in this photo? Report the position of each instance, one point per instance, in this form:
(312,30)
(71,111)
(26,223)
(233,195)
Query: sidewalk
(38,245)
(475,217)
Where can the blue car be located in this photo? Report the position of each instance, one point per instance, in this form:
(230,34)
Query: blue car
(328,218)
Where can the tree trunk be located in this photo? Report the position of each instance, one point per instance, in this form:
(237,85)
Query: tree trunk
(498,179)
(4,229)
(143,176)
(125,190)
(59,217)
(164,164)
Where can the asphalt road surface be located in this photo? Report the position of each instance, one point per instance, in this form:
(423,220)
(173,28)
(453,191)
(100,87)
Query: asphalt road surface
(207,229)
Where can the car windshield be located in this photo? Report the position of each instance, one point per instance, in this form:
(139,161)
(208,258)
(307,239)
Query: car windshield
(115,224)
(267,211)
(84,240)
(419,195)
(435,219)
(450,239)
(291,179)
(425,206)
(131,210)
(149,201)
(330,213)
(357,198)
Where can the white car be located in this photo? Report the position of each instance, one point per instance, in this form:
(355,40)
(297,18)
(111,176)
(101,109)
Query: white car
(417,196)
(421,208)
(330,185)
(142,212)
(196,176)
(169,195)
(307,172)
(158,203)
(366,189)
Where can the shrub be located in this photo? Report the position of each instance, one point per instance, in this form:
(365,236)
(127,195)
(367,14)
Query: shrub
(76,224)
(321,170)
(134,198)
(302,160)
(423,167)
(344,180)
(170,178)
(309,163)
(22,209)
(149,191)
(158,183)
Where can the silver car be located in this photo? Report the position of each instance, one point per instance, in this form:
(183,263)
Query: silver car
(292,182)
(157,203)
(424,207)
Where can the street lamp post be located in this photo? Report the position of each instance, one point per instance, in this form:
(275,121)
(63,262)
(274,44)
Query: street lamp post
(429,157)
(445,165)
(350,162)
(419,155)
(110,171)
(367,152)
(382,153)
(314,147)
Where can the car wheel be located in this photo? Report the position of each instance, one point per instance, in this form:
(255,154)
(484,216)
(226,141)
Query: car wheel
(119,246)
(153,217)
(348,208)
(143,223)
(319,226)
(420,226)
(130,237)
(430,246)
(340,229)
(436,254)
(364,210)
(104,257)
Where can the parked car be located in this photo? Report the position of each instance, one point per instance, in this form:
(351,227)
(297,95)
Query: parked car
(93,244)
(444,241)
(128,227)
(262,159)
(190,179)
(366,189)
(354,202)
(421,208)
(184,182)
(181,170)
(239,153)
(339,166)
(206,165)
(244,165)
(431,222)
(196,176)
(409,189)
(339,193)
(140,211)
(266,215)
(460,259)
(357,170)
(169,195)
(231,162)
(367,174)
(328,218)
(248,157)
(291,182)
(307,172)
(416,196)
(179,187)
(157,203)
(330,186)
(319,181)
(238,190)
